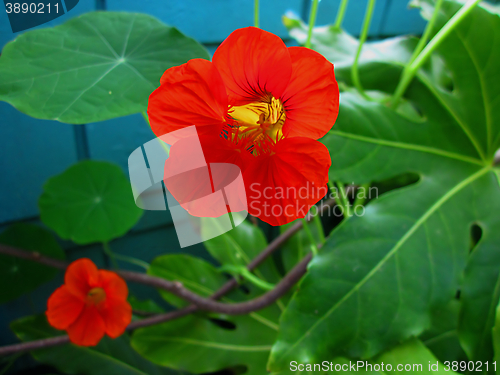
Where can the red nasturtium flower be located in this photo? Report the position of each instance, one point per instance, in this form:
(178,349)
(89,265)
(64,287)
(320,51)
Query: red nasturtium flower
(267,100)
(91,303)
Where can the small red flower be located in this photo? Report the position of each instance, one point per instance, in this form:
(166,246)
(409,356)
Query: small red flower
(267,100)
(90,304)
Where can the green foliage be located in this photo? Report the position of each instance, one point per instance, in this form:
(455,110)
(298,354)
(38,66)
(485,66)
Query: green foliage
(108,357)
(299,245)
(95,67)
(14,271)
(380,277)
(414,355)
(413,281)
(146,306)
(89,202)
(198,344)
(442,337)
(239,246)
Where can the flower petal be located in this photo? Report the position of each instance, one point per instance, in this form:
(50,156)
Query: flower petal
(114,286)
(190,94)
(117,315)
(253,63)
(283,186)
(88,329)
(63,308)
(81,276)
(198,168)
(311,99)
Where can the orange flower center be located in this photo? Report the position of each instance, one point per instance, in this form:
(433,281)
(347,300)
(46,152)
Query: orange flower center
(259,122)
(95,296)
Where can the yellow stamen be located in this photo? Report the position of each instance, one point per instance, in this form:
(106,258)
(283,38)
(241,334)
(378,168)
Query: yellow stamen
(259,120)
(96,296)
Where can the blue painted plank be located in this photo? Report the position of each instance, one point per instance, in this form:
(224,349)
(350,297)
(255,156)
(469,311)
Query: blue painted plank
(114,140)
(6,34)
(401,19)
(212,21)
(32,151)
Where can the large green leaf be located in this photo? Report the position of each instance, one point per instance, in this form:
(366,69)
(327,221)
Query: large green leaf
(379,277)
(19,276)
(89,202)
(196,343)
(94,67)
(107,358)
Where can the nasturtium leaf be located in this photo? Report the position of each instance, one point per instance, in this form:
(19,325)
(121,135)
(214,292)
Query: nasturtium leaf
(379,277)
(19,276)
(89,202)
(196,343)
(94,67)
(108,357)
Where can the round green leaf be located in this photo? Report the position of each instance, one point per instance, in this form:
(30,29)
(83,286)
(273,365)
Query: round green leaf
(22,276)
(90,202)
(94,67)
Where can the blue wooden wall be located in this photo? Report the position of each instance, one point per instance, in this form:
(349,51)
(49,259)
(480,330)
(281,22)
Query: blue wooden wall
(33,150)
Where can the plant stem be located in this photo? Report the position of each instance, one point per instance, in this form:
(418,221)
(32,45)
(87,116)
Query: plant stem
(341,14)
(420,46)
(309,234)
(427,32)
(312,21)
(359,199)
(422,57)
(364,34)
(124,258)
(317,222)
(109,253)
(235,270)
(256,13)
(344,199)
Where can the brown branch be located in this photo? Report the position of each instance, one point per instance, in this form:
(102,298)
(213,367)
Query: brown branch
(178,289)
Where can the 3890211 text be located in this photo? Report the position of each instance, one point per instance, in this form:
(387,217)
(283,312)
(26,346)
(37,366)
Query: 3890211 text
(31,8)
(478,366)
